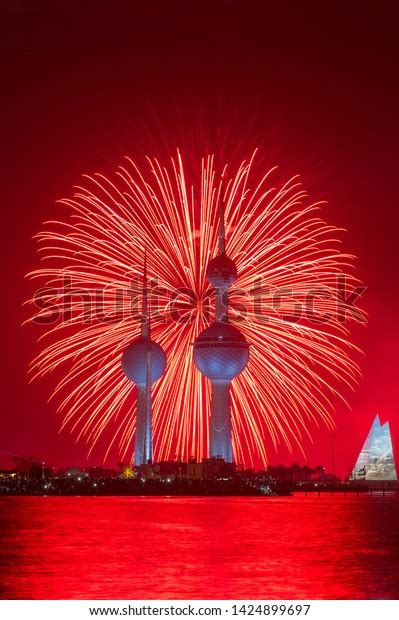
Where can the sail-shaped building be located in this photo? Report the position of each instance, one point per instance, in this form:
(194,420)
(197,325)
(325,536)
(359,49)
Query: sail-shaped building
(376,459)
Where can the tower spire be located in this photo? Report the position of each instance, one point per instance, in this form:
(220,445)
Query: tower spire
(145,319)
(222,230)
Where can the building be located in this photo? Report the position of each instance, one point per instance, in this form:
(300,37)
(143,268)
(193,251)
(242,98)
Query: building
(376,459)
(207,469)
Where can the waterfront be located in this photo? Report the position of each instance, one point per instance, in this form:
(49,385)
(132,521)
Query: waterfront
(245,548)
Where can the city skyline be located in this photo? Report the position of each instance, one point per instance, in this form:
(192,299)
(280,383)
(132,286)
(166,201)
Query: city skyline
(376,460)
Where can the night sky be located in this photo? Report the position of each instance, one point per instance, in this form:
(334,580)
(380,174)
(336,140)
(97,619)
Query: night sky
(313,84)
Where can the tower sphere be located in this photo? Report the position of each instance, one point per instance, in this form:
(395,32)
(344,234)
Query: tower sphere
(221,271)
(221,352)
(134,361)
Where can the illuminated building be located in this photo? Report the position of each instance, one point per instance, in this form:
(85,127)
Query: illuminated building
(144,362)
(376,460)
(221,351)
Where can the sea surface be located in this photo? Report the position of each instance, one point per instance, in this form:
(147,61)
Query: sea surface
(327,547)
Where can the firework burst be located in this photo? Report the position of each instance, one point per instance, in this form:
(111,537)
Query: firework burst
(290,267)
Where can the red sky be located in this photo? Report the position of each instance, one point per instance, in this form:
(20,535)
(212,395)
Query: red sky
(315,86)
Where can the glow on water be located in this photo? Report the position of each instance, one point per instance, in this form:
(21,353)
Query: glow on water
(149,547)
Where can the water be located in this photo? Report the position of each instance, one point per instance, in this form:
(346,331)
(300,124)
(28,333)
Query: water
(245,548)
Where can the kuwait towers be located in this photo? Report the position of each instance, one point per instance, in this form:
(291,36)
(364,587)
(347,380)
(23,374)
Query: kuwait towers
(144,362)
(221,351)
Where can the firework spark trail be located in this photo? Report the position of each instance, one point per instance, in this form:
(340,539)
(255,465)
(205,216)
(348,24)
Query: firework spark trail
(296,368)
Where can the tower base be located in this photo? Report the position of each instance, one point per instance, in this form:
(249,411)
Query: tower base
(220,443)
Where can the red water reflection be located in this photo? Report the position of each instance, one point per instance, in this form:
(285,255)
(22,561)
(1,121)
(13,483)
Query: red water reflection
(245,548)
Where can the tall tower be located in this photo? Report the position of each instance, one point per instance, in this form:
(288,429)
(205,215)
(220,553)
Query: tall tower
(221,351)
(144,362)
